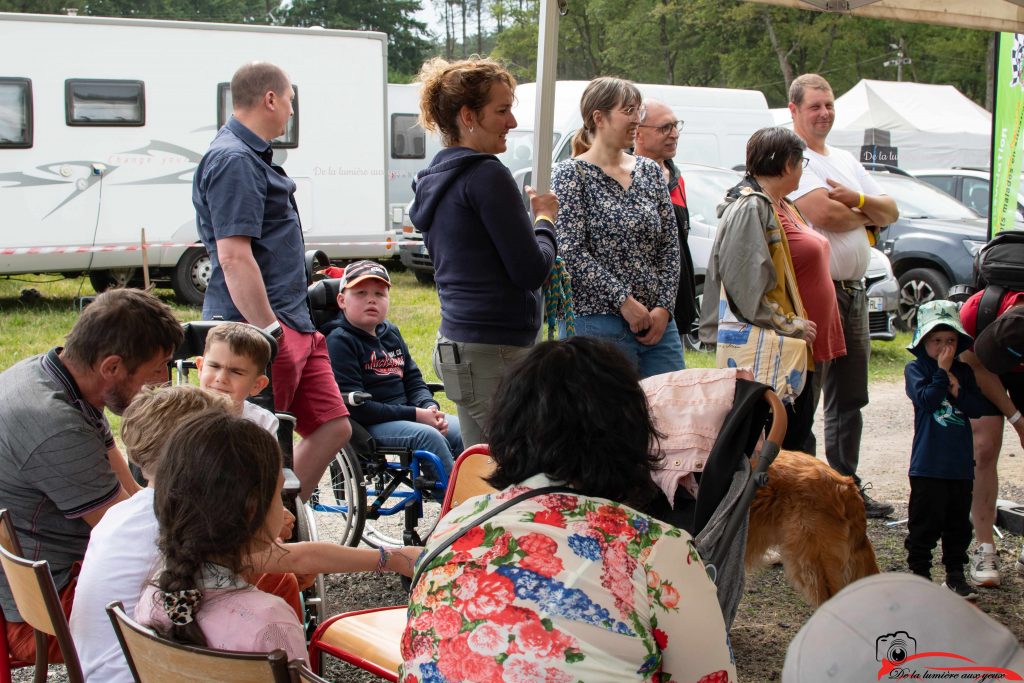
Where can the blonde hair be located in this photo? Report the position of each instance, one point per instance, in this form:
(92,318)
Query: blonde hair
(802,83)
(450,86)
(602,94)
(243,340)
(156,412)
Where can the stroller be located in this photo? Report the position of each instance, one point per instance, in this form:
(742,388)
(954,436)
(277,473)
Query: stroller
(726,478)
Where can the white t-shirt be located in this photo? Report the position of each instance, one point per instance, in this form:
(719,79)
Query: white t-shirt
(851,251)
(261,416)
(121,556)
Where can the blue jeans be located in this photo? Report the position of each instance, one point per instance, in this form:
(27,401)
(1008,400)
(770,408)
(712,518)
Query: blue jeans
(421,437)
(665,356)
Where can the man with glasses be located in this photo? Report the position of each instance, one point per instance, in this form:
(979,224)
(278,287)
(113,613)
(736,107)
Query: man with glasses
(657,138)
(844,203)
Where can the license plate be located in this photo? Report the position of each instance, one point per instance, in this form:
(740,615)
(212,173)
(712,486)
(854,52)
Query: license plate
(876,304)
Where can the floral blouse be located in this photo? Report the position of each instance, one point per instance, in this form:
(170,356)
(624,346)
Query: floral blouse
(616,242)
(564,588)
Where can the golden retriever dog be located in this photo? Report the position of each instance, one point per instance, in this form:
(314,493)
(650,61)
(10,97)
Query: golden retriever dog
(815,517)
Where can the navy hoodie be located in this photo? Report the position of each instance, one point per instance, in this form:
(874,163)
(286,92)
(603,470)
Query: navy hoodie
(489,261)
(380,366)
(943,445)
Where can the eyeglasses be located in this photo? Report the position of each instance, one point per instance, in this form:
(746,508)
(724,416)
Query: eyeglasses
(806,161)
(667,128)
(633,109)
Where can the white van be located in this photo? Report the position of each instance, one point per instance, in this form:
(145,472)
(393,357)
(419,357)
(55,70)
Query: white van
(103,121)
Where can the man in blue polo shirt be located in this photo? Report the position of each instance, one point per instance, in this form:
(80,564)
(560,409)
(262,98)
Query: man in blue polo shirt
(249,223)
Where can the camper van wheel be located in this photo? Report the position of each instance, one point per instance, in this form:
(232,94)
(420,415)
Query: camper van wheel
(102,280)
(191,276)
(424,277)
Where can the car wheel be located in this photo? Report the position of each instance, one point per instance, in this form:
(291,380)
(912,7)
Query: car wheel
(918,286)
(691,340)
(191,276)
(102,280)
(424,277)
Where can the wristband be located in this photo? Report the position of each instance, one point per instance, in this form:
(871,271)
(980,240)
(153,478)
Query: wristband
(274,329)
(382,561)
(542,217)
(861,202)
(1015,418)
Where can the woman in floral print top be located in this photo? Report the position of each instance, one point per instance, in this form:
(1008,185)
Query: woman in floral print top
(616,230)
(566,586)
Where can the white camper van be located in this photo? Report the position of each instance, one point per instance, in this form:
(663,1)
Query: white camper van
(411,149)
(102,123)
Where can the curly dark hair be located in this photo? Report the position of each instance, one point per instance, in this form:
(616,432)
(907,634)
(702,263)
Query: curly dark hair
(216,479)
(574,411)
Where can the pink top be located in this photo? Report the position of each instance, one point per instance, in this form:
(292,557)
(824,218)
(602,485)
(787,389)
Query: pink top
(811,253)
(239,619)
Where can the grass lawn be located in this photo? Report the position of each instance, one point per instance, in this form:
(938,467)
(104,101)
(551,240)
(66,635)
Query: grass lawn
(30,325)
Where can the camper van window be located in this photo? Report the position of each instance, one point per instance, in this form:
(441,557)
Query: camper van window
(99,102)
(15,113)
(408,139)
(290,139)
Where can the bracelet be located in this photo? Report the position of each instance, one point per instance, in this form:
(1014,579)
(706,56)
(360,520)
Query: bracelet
(1015,418)
(542,217)
(861,202)
(382,561)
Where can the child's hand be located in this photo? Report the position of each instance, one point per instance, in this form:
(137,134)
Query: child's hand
(433,417)
(954,385)
(287,526)
(945,360)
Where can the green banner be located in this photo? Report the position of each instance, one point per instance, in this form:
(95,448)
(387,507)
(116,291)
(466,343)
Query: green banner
(1007,122)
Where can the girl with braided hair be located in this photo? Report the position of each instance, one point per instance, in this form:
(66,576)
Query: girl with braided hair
(218,504)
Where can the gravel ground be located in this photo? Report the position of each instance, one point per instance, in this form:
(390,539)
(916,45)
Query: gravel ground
(771,613)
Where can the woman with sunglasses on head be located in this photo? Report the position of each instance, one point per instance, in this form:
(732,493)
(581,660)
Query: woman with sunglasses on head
(617,232)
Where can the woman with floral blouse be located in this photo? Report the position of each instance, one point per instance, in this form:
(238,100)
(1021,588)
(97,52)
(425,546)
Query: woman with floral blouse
(573,585)
(616,231)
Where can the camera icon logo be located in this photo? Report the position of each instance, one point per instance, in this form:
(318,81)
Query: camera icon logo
(895,647)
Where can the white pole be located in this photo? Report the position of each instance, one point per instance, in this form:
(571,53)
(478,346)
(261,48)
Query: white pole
(544,114)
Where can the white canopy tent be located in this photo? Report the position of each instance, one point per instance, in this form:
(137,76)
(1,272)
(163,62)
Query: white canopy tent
(931,126)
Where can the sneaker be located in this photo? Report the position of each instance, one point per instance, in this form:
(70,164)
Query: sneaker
(874,509)
(1020,560)
(772,557)
(984,569)
(958,585)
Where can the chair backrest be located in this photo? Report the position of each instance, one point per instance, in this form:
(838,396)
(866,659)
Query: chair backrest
(323,301)
(467,478)
(36,598)
(153,659)
(302,674)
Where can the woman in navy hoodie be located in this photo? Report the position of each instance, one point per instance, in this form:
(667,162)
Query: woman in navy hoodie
(490,260)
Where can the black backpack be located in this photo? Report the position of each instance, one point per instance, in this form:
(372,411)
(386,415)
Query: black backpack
(998,268)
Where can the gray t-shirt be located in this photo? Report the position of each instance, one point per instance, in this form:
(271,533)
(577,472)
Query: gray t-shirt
(53,466)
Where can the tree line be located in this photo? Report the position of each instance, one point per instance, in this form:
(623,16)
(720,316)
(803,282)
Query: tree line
(720,43)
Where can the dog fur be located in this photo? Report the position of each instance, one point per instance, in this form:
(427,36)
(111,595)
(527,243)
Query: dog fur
(815,517)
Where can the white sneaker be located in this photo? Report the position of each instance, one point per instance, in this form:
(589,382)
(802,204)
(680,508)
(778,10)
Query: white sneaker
(984,567)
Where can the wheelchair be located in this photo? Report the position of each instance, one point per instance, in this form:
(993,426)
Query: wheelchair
(183,361)
(368,482)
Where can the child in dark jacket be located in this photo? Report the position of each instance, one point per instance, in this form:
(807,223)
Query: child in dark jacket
(368,354)
(945,396)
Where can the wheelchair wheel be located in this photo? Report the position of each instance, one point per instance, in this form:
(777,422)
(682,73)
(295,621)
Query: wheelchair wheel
(314,597)
(341,500)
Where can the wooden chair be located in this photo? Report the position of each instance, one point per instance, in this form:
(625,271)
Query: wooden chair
(38,603)
(370,638)
(301,674)
(153,659)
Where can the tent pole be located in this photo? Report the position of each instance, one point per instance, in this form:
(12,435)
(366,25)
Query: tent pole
(544,114)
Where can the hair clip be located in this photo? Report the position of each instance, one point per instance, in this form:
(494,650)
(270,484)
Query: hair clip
(179,605)
(772,156)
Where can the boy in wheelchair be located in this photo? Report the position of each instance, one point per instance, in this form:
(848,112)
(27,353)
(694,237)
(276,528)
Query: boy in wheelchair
(233,365)
(369,355)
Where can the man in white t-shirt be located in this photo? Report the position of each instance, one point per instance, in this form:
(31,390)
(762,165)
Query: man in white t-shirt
(843,202)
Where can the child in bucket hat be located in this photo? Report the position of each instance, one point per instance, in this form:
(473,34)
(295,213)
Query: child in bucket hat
(945,396)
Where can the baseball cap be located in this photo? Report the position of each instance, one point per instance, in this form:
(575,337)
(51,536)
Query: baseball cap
(905,619)
(362,270)
(1000,346)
